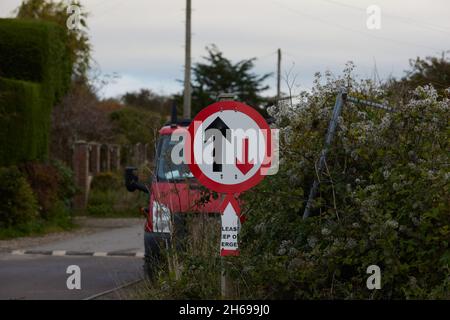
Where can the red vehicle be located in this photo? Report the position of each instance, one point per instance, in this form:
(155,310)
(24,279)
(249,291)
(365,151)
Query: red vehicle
(173,192)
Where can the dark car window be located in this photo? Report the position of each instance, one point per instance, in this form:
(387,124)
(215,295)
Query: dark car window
(166,170)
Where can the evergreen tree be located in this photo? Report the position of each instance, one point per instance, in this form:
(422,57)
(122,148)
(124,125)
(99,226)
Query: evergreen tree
(220,75)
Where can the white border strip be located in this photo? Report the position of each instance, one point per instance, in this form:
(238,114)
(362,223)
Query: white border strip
(58,253)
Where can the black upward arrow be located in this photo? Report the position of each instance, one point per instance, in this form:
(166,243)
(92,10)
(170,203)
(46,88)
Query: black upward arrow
(221,126)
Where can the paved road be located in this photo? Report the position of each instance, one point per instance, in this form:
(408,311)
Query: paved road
(24,274)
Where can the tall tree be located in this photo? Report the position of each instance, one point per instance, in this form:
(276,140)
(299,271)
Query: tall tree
(220,75)
(78,39)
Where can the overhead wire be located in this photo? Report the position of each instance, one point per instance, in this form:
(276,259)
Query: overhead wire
(405,20)
(336,25)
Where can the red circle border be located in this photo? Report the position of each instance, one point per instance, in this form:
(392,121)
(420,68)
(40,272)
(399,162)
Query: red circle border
(195,169)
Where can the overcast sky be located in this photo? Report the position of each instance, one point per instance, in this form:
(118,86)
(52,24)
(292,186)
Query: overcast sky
(143,40)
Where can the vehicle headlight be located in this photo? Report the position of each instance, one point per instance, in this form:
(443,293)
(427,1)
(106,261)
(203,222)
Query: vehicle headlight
(161,218)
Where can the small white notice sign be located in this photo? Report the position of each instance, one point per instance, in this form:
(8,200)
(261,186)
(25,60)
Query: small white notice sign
(230,231)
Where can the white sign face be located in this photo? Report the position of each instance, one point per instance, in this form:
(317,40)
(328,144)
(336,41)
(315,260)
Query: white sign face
(229,147)
(230,230)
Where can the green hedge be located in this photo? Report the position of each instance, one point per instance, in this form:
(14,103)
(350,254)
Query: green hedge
(23,125)
(35,51)
(34,74)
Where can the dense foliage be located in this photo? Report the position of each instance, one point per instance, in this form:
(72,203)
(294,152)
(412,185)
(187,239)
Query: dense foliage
(35,198)
(52,183)
(34,75)
(18,204)
(23,125)
(36,52)
(135,125)
(77,44)
(383,201)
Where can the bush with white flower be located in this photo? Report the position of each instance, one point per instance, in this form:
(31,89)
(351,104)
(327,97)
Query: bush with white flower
(383,200)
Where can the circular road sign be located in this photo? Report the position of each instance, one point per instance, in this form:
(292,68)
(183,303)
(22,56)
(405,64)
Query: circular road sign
(228,143)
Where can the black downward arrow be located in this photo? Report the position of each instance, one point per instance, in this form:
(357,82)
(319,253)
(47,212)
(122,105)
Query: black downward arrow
(219,125)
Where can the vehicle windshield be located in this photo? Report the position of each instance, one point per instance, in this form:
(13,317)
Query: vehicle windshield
(166,169)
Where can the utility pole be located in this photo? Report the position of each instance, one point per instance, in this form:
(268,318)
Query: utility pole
(187,65)
(279,75)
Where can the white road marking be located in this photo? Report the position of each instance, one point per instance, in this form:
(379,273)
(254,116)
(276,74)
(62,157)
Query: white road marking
(58,253)
(100,254)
